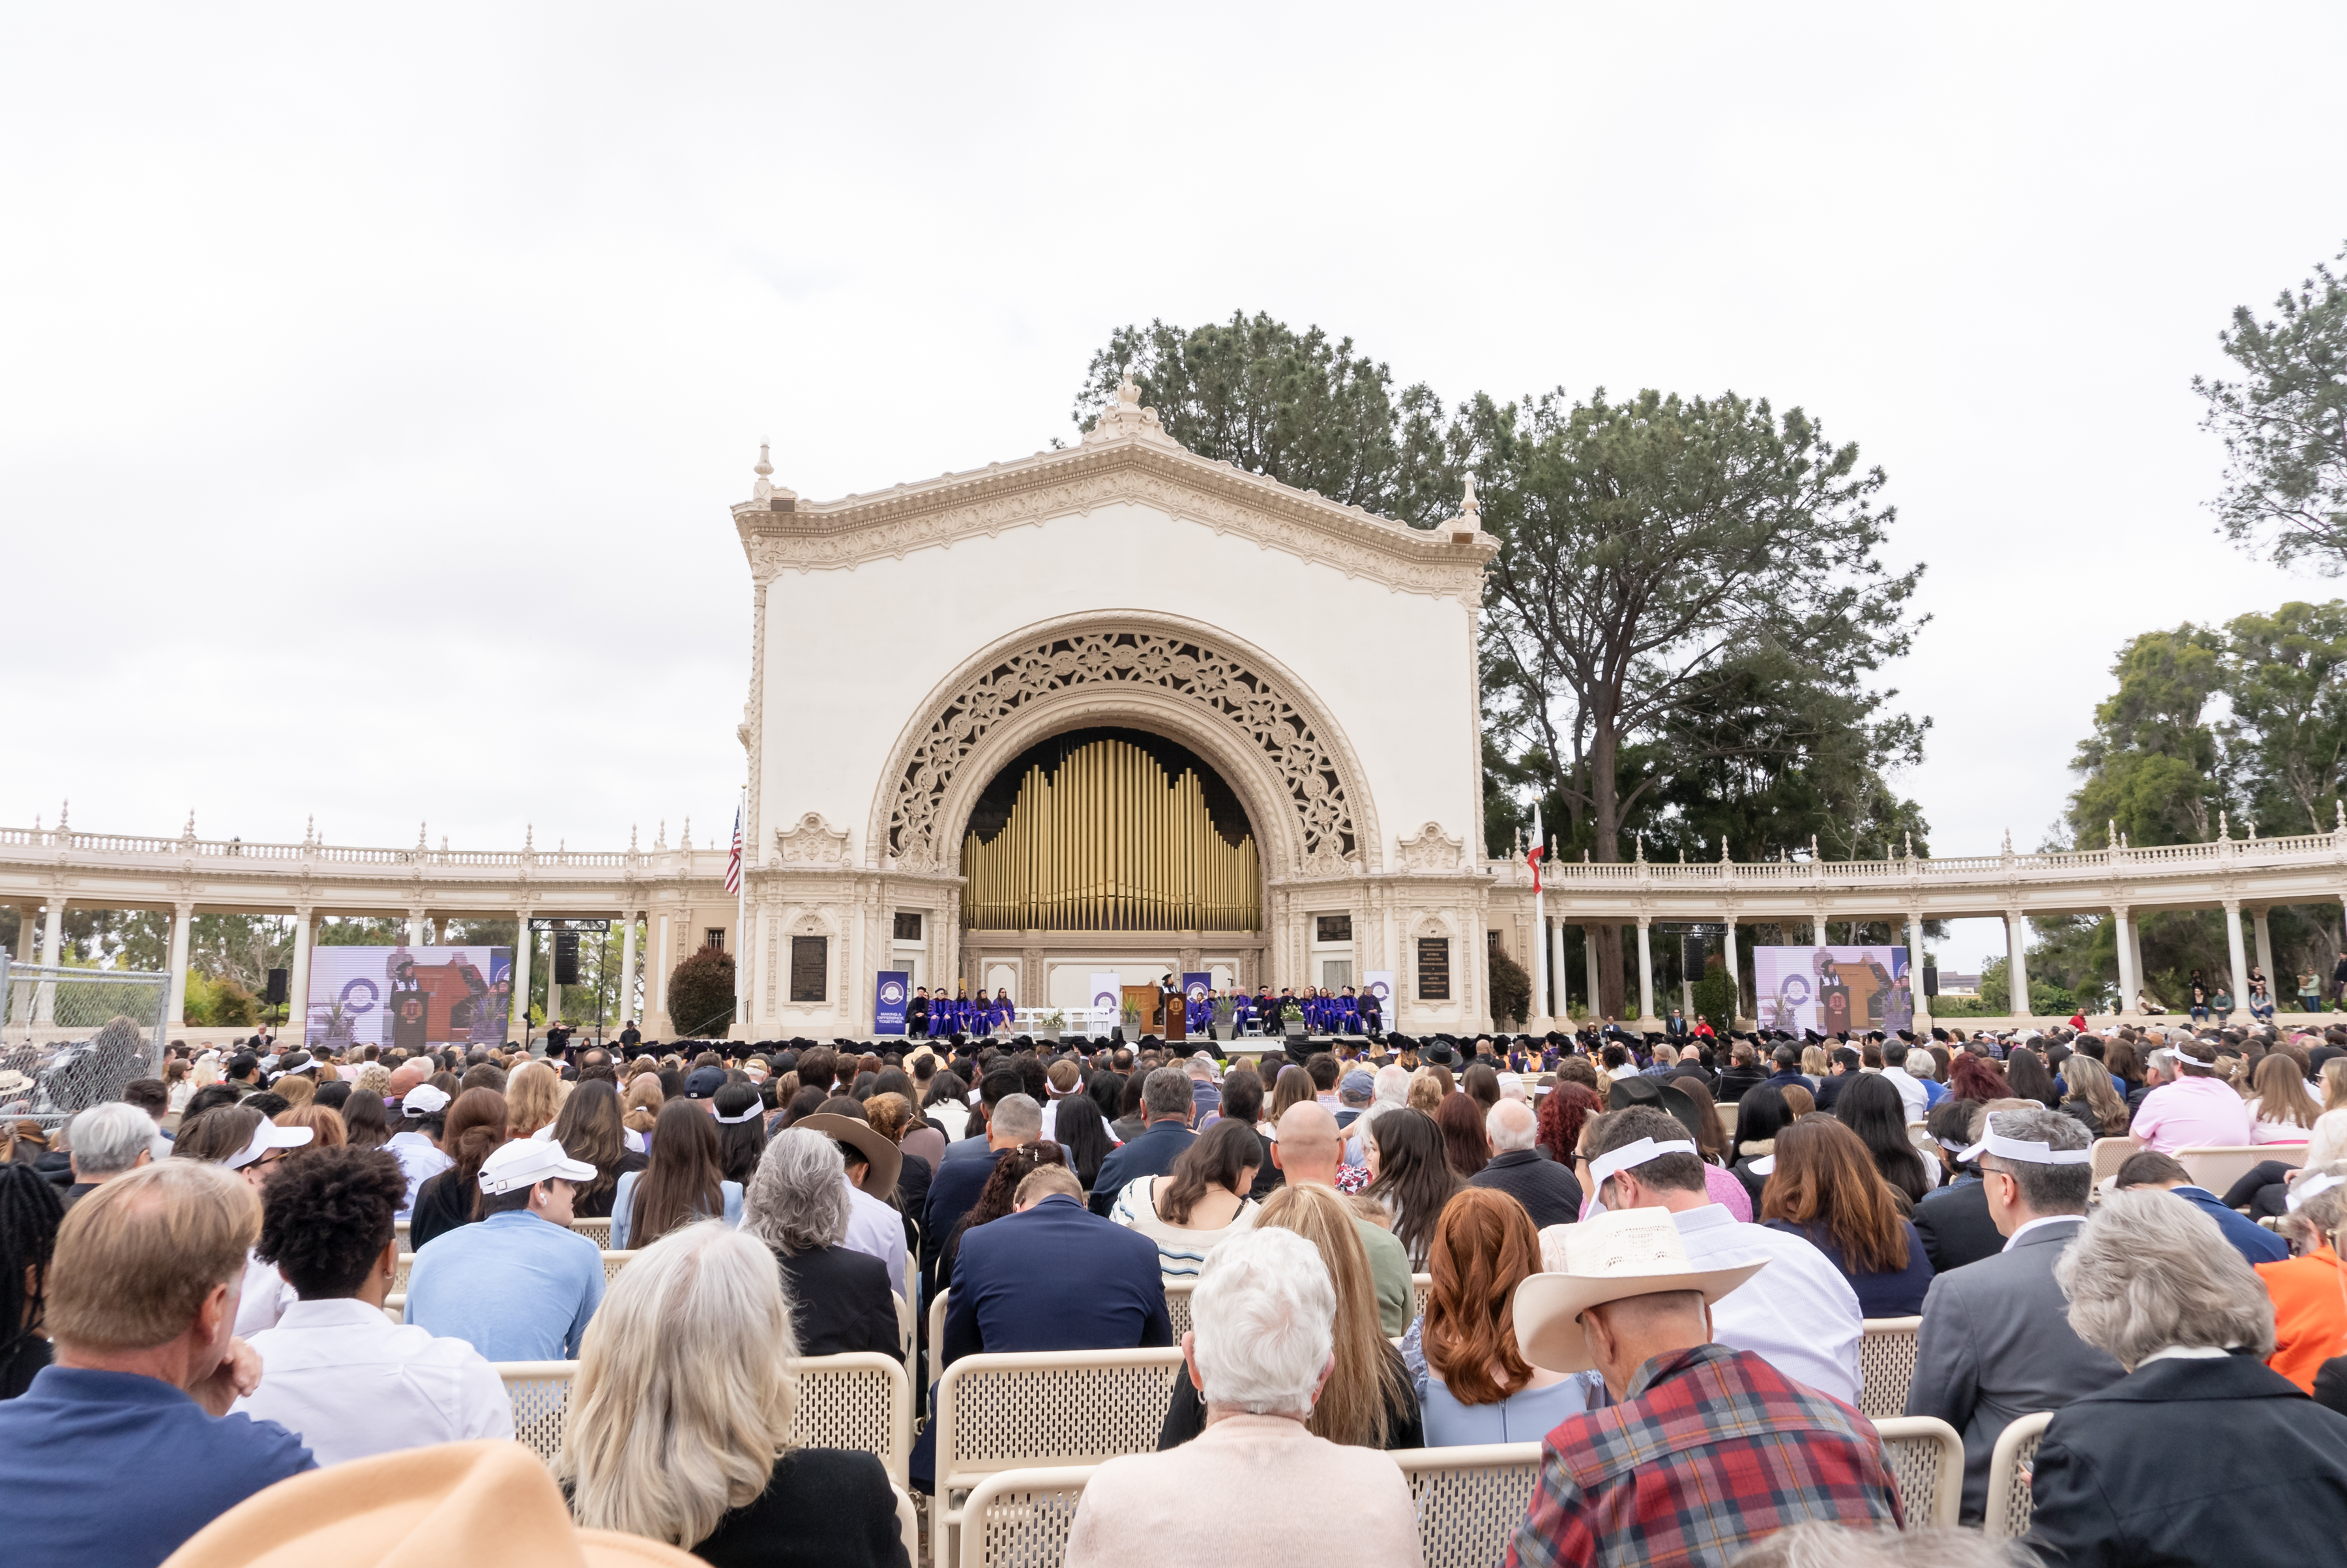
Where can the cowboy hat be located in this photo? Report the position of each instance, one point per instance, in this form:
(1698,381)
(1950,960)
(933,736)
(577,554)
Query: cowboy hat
(452,1506)
(1609,1256)
(887,1160)
(1660,1094)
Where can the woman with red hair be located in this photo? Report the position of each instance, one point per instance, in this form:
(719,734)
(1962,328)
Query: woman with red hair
(1474,1385)
(1971,1077)
(1562,1110)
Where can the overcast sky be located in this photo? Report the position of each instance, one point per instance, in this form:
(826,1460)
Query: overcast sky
(373,388)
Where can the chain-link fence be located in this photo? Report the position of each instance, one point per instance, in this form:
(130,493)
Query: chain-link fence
(70,1039)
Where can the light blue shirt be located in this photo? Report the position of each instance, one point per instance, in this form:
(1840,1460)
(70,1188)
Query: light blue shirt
(1525,1416)
(623,1207)
(514,1287)
(878,1231)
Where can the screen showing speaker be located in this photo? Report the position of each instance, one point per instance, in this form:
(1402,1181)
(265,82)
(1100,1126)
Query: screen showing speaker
(410,996)
(1833,990)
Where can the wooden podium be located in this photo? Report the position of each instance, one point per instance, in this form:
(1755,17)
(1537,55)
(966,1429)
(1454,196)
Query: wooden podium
(1155,1011)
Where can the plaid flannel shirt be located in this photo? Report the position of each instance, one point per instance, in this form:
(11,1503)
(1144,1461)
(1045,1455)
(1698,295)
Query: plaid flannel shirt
(1713,1449)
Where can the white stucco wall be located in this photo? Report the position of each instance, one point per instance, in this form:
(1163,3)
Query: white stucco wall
(852,656)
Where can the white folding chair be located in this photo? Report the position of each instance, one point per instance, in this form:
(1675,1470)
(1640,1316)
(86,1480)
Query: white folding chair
(613,1262)
(1886,1363)
(998,1412)
(1468,1500)
(597,1231)
(1020,1518)
(2009,1499)
(908,1526)
(540,1392)
(2217,1168)
(1421,1289)
(862,1402)
(1177,1304)
(1927,1456)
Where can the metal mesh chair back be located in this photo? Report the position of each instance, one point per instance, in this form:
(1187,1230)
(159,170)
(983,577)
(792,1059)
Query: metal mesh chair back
(1020,1518)
(862,1402)
(1927,1456)
(597,1231)
(615,1261)
(1064,1407)
(1886,1364)
(2010,1503)
(540,1392)
(1470,1500)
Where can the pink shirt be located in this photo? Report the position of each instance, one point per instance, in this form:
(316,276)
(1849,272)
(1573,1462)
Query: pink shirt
(2193,1113)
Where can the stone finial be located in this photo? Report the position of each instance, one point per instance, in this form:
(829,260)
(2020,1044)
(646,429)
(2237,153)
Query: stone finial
(529,838)
(1910,844)
(1642,847)
(444,843)
(1682,855)
(1128,391)
(686,842)
(2339,815)
(1126,417)
(2008,841)
(421,841)
(186,833)
(64,815)
(2224,829)
(1723,849)
(1471,510)
(632,838)
(662,842)
(764,490)
(1813,846)
(2112,833)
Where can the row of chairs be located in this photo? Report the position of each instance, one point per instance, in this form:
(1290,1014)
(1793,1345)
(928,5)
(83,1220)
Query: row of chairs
(2215,1167)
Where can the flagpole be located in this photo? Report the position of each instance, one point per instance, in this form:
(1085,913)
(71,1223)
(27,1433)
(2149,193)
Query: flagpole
(742,909)
(1539,926)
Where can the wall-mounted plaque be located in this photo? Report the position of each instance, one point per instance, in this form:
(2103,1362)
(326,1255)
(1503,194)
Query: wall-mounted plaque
(1434,969)
(810,968)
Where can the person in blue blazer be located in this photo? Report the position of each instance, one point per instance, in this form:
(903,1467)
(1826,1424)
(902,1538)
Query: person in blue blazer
(2256,1244)
(1166,1105)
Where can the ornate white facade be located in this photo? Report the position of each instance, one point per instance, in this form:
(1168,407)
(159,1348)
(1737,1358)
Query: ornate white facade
(909,645)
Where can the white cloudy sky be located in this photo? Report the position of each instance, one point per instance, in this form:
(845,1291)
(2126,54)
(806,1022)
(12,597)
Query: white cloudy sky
(368,373)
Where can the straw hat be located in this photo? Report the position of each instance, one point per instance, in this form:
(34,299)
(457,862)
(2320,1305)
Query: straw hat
(1609,1256)
(454,1505)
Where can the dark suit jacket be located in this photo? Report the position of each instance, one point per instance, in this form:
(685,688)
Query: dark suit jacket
(1830,1090)
(1150,1154)
(952,1190)
(1954,1224)
(1734,1080)
(1546,1189)
(1996,1344)
(2217,1460)
(1055,1278)
(840,1302)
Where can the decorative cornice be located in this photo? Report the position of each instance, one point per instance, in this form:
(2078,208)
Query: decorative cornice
(1447,561)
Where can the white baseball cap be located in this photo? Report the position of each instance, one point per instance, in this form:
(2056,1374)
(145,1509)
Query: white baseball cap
(424,1100)
(526,1161)
(267,1136)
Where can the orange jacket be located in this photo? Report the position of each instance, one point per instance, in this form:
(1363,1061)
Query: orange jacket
(2310,1314)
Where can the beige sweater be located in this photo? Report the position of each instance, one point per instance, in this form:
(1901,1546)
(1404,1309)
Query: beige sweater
(1208,1502)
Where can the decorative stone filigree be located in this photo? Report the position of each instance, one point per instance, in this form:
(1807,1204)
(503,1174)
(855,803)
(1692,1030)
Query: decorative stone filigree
(1431,850)
(1269,720)
(814,842)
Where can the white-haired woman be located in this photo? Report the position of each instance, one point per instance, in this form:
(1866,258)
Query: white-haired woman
(1259,1350)
(841,1301)
(679,1422)
(2200,1453)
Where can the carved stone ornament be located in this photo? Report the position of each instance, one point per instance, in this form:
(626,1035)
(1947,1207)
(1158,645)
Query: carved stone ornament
(1431,850)
(1127,458)
(814,842)
(1266,719)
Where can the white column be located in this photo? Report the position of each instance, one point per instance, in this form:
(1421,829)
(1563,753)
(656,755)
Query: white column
(415,928)
(1564,1009)
(182,917)
(2123,931)
(2135,956)
(2274,987)
(1735,977)
(1915,972)
(1818,930)
(1589,963)
(53,944)
(659,987)
(1645,975)
(2240,958)
(2016,962)
(523,943)
(297,990)
(628,968)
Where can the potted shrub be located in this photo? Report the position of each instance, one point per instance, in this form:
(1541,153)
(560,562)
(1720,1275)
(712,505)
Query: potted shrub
(1291,1021)
(1223,1011)
(1049,1025)
(1131,1030)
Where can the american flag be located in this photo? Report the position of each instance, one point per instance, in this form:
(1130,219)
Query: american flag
(734,861)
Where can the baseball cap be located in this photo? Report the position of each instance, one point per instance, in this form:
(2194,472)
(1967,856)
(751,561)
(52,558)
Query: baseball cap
(424,1100)
(526,1161)
(704,1082)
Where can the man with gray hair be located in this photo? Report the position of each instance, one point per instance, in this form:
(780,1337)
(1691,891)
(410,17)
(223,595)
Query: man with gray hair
(1014,1121)
(108,1141)
(1995,1343)
(1518,1168)
(1166,1108)
(1258,1352)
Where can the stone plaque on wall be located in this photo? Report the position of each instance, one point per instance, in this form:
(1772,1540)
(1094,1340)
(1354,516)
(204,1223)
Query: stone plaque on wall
(810,969)
(1434,969)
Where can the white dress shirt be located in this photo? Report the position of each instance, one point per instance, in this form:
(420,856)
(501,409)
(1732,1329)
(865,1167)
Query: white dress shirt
(349,1383)
(264,1297)
(1798,1313)
(2027,1225)
(878,1231)
(421,1159)
(1911,1090)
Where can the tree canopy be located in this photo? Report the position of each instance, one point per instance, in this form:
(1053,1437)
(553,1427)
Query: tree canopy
(2284,424)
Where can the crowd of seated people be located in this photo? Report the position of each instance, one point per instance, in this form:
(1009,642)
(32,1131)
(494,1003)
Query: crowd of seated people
(1656,1264)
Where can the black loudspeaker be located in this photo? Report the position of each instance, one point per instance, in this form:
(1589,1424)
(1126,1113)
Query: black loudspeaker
(566,958)
(1691,955)
(1930,979)
(276,994)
